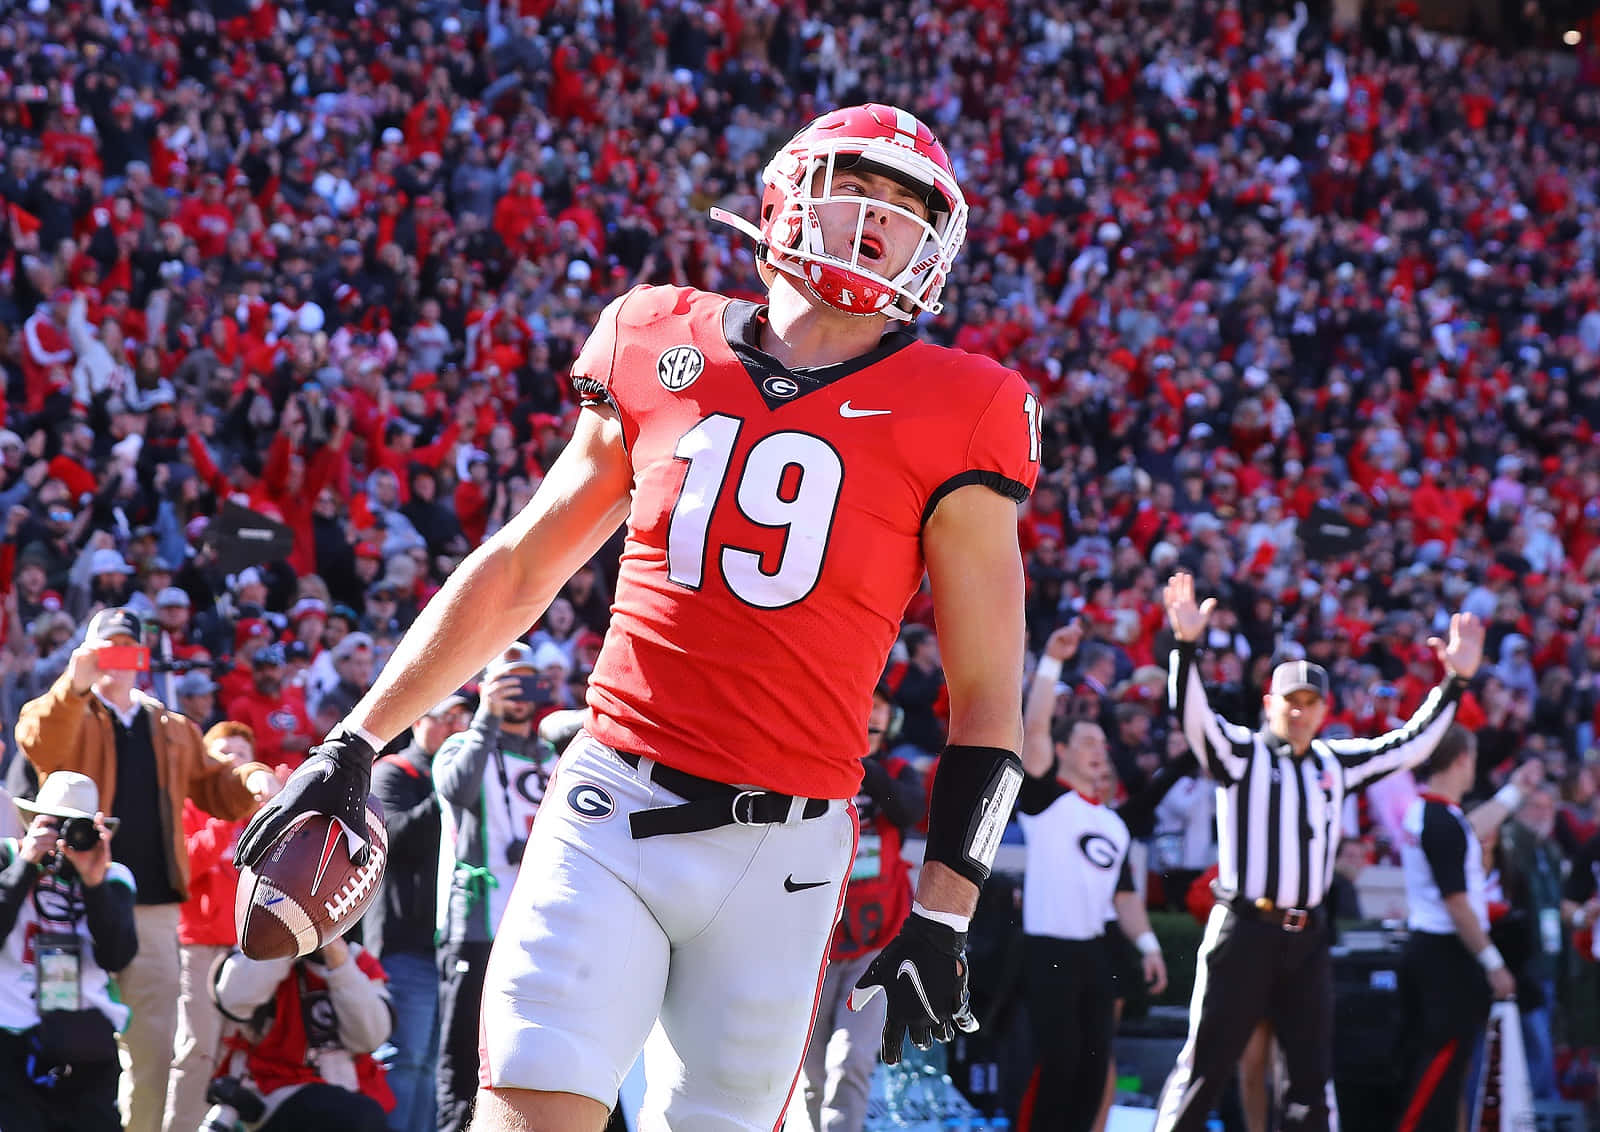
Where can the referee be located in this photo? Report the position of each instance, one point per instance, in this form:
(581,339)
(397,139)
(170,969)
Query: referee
(1280,796)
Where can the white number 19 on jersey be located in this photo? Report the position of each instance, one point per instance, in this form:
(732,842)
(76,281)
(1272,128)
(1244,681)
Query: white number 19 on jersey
(804,511)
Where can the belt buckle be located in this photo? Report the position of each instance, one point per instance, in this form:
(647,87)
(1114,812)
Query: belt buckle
(749,796)
(1294,919)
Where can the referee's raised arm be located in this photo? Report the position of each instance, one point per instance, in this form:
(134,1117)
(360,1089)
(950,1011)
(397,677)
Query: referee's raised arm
(1225,747)
(1366,760)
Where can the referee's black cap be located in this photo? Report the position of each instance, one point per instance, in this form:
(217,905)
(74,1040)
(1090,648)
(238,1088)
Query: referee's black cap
(1299,675)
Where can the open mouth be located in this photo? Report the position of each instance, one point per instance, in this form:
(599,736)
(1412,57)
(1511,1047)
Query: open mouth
(870,247)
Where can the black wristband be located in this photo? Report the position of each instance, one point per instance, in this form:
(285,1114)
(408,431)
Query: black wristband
(974,789)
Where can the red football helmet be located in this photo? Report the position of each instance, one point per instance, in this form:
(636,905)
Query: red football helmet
(874,138)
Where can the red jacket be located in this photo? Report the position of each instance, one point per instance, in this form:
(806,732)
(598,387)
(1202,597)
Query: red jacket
(296,507)
(207,916)
(282,1055)
(877,899)
(45,347)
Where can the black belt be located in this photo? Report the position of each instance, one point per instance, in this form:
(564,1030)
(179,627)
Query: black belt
(1289,919)
(710,805)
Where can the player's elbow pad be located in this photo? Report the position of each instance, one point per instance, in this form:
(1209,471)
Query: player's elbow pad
(974,789)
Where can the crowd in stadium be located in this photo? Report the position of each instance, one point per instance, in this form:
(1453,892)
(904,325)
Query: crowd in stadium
(1313,315)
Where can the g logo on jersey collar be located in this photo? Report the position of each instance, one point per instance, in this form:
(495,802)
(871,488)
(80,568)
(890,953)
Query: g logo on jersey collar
(589,801)
(679,366)
(780,386)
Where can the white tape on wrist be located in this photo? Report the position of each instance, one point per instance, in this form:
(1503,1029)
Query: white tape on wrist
(1148,944)
(948,919)
(1509,796)
(368,738)
(1049,668)
(1490,958)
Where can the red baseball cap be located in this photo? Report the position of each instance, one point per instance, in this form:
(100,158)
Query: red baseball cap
(248,629)
(368,550)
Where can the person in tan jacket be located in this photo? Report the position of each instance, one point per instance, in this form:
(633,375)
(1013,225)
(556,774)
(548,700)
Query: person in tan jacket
(147,759)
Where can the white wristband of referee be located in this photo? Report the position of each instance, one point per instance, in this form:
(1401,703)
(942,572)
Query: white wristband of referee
(1148,944)
(1509,796)
(1490,958)
(948,919)
(1049,668)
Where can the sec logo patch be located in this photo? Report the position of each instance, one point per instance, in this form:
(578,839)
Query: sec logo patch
(678,367)
(589,801)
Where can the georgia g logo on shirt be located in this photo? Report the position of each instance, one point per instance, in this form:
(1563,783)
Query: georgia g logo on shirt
(1099,850)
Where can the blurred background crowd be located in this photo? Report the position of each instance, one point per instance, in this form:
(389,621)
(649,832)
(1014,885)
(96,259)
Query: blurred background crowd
(1312,308)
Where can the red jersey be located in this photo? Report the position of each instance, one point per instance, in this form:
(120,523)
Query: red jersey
(775,536)
(274,719)
(207,916)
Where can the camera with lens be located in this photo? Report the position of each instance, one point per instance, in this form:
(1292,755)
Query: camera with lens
(231,1102)
(80,834)
(515,850)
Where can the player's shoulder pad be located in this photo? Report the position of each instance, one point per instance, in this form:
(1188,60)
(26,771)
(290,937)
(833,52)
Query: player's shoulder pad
(644,305)
(979,376)
(631,320)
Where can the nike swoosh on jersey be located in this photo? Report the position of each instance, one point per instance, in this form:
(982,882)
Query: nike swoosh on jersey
(847,410)
(792,885)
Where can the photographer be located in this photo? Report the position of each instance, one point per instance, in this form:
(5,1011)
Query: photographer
(490,779)
(146,759)
(310,1027)
(66,921)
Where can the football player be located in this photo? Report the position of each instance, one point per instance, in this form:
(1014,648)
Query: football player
(787,472)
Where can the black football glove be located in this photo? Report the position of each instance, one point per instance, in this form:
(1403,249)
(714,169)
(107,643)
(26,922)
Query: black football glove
(923,975)
(334,780)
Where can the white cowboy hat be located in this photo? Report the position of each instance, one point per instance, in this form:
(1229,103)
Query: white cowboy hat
(66,794)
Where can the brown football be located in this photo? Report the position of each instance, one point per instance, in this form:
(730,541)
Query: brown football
(305,891)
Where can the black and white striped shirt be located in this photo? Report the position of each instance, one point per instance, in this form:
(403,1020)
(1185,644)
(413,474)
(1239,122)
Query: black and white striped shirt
(1278,815)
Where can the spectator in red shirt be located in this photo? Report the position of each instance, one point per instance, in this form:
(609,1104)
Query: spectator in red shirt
(274,712)
(206,219)
(47,355)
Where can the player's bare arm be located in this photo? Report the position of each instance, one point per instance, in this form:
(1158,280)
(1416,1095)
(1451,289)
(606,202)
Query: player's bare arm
(975,567)
(505,585)
(501,588)
(1038,752)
